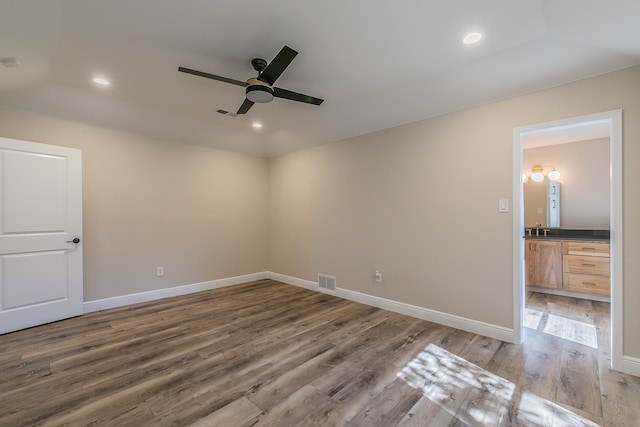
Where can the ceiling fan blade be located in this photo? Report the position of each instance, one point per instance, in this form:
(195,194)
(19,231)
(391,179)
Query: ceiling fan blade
(245,106)
(212,76)
(278,65)
(295,96)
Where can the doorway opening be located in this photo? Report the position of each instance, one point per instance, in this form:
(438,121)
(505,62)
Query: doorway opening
(612,122)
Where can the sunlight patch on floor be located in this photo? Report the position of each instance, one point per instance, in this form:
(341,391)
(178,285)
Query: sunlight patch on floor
(572,330)
(447,380)
(451,382)
(531,318)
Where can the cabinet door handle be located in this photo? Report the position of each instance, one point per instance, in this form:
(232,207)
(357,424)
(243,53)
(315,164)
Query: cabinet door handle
(588,265)
(588,283)
(588,249)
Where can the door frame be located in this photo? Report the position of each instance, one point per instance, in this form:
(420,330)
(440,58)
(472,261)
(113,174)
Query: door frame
(614,119)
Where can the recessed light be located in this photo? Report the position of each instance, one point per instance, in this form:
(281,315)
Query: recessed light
(101,81)
(257,125)
(472,38)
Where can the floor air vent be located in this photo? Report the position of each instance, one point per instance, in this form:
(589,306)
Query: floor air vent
(326,282)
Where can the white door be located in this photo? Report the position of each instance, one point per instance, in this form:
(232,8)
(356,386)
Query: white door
(40,218)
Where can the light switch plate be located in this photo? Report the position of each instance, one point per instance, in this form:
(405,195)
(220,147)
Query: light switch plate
(503,205)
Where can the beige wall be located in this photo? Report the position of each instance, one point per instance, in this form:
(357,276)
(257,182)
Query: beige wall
(198,212)
(420,202)
(584,180)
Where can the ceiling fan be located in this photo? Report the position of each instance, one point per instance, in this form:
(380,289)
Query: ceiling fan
(261,89)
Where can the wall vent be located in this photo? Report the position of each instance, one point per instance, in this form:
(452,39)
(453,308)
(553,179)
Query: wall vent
(326,282)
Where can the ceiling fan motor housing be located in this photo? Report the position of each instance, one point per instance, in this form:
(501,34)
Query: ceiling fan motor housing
(258,64)
(259,91)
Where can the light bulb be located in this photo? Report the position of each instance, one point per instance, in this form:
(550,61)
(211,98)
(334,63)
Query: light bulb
(554,175)
(101,81)
(537,177)
(472,38)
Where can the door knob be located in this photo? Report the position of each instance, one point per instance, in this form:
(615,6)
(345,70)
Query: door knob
(75,240)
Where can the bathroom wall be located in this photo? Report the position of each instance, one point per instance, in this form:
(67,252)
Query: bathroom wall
(584,184)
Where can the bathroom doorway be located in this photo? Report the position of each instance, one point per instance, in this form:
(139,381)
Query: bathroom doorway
(612,122)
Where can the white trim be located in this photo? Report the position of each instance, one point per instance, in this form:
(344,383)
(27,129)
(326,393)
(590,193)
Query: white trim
(469,325)
(290,280)
(307,284)
(119,301)
(631,365)
(518,241)
(617,236)
(614,118)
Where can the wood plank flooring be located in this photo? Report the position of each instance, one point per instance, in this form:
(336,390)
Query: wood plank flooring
(269,354)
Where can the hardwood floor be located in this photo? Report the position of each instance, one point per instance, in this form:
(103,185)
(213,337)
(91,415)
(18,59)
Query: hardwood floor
(270,354)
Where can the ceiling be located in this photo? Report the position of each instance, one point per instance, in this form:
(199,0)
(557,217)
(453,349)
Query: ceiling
(375,66)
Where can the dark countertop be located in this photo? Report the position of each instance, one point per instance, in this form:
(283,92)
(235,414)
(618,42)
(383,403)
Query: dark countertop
(570,234)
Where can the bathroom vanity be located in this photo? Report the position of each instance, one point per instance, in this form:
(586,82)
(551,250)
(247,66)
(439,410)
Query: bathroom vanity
(568,262)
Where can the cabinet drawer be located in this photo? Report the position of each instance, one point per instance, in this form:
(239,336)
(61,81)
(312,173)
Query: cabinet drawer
(587,248)
(598,285)
(586,265)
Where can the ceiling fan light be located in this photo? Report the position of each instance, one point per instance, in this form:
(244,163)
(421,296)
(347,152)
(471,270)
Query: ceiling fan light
(259,94)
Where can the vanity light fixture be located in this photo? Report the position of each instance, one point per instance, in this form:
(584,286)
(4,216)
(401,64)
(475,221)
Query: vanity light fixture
(554,175)
(537,174)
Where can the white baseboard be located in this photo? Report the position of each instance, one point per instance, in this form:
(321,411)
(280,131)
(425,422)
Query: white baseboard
(493,331)
(308,284)
(114,302)
(631,365)
(469,325)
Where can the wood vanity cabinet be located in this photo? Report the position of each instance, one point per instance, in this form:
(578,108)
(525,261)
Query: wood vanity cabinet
(576,266)
(586,267)
(543,266)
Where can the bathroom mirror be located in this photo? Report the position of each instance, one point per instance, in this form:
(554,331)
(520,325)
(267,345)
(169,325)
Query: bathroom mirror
(542,203)
(583,197)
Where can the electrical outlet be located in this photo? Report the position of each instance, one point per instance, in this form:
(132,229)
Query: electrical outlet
(160,271)
(378,276)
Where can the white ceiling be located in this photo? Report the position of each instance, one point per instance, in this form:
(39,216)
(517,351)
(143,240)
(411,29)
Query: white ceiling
(376,64)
